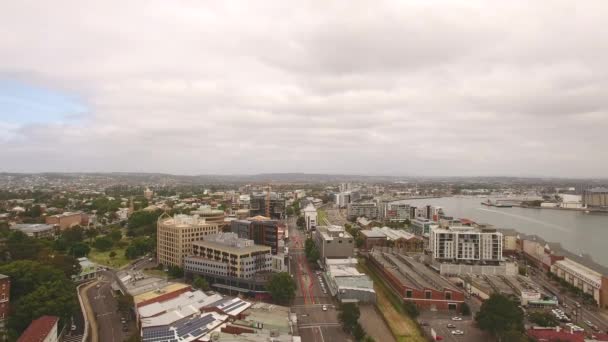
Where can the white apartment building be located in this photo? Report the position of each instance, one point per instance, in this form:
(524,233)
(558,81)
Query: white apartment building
(466,244)
(310,216)
(367,209)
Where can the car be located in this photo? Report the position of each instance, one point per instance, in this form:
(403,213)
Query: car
(151,259)
(324,307)
(98,285)
(457,332)
(565,305)
(451,326)
(438,338)
(73,327)
(125,328)
(456,318)
(123,320)
(588,323)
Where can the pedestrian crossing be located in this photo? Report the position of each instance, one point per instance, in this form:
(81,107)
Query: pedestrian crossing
(72,338)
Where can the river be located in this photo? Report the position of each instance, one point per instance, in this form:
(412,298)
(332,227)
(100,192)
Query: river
(577,231)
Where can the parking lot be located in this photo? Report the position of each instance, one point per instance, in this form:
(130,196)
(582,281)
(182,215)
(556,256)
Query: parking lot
(439,321)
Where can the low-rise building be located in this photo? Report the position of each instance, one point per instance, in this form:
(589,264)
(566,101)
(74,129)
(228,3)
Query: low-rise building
(582,277)
(66,220)
(395,238)
(36,230)
(347,284)
(43,329)
(416,283)
(88,270)
(334,242)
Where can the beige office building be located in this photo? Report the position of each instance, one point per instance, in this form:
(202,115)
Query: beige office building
(176,234)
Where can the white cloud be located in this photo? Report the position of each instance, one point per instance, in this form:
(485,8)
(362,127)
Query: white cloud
(476,88)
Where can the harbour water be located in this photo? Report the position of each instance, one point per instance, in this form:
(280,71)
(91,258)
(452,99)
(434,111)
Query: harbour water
(577,231)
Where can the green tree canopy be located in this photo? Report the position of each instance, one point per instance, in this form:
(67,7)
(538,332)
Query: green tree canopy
(79,250)
(543,319)
(115,235)
(301,222)
(500,314)
(103,244)
(349,316)
(38,290)
(200,283)
(282,288)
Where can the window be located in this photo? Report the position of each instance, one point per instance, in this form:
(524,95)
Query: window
(427,294)
(448,296)
(408,294)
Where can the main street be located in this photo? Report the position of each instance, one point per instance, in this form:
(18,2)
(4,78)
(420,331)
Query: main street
(314,324)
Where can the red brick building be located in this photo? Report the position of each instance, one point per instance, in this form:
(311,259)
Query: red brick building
(43,329)
(66,220)
(5,295)
(416,283)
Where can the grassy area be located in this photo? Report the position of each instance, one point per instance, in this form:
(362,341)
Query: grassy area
(156,273)
(103,258)
(321,217)
(402,326)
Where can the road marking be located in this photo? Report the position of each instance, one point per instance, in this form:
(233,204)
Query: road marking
(318,325)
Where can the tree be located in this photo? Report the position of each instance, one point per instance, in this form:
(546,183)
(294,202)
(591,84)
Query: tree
(290,211)
(358,332)
(200,283)
(115,235)
(349,316)
(282,287)
(79,250)
(73,235)
(112,254)
(92,233)
(175,272)
(465,310)
(125,303)
(37,290)
(411,309)
(301,222)
(543,319)
(500,314)
(103,244)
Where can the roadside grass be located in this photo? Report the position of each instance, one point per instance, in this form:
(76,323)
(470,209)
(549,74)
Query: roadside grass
(403,327)
(156,273)
(321,217)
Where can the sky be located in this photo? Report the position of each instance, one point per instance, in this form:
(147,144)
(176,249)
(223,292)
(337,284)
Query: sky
(408,88)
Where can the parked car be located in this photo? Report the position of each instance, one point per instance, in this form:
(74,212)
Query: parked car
(457,332)
(324,307)
(456,318)
(451,326)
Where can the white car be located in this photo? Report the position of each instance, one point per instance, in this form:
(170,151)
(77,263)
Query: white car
(324,307)
(457,332)
(456,318)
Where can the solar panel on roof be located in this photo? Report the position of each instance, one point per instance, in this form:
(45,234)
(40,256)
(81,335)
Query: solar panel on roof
(234,306)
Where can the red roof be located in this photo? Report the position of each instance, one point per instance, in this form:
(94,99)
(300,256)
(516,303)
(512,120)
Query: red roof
(549,335)
(39,329)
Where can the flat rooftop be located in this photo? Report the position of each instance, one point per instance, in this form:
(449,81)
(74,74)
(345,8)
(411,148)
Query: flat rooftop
(169,288)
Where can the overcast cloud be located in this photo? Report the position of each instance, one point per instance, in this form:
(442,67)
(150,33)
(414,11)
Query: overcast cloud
(361,87)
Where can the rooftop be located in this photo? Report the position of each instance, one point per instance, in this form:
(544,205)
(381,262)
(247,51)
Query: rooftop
(169,288)
(230,242)
(169,311)
(598,190)
(39,329)
(32,228)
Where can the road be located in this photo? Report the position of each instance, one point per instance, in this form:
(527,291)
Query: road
(314,324)
(585,313)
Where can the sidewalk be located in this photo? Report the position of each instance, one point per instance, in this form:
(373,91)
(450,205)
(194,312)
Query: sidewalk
(93,332)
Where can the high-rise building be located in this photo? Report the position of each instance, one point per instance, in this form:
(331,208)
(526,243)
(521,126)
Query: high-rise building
(310,217)
(260,229)
(276,205)
(176,234)
(466,244)
(367,209)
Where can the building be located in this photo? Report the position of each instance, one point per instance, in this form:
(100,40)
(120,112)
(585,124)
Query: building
(466,244)
(88,270)
(415,282)
(395,238)
(397,212)
(509,241)
(346,283)
(276,205)
(210,215)
(596,198)
(358,209)
(43,329)
(36,230)
(310,217)
(227,255)
(589,281)
(261,322)
(66,220)
(260,229)
(5,299)
(334,242)
(176,234)
(422,226)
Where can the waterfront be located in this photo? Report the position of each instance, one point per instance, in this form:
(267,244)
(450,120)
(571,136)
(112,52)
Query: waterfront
(577,231)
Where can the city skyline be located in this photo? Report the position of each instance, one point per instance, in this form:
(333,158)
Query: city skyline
(399,89)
